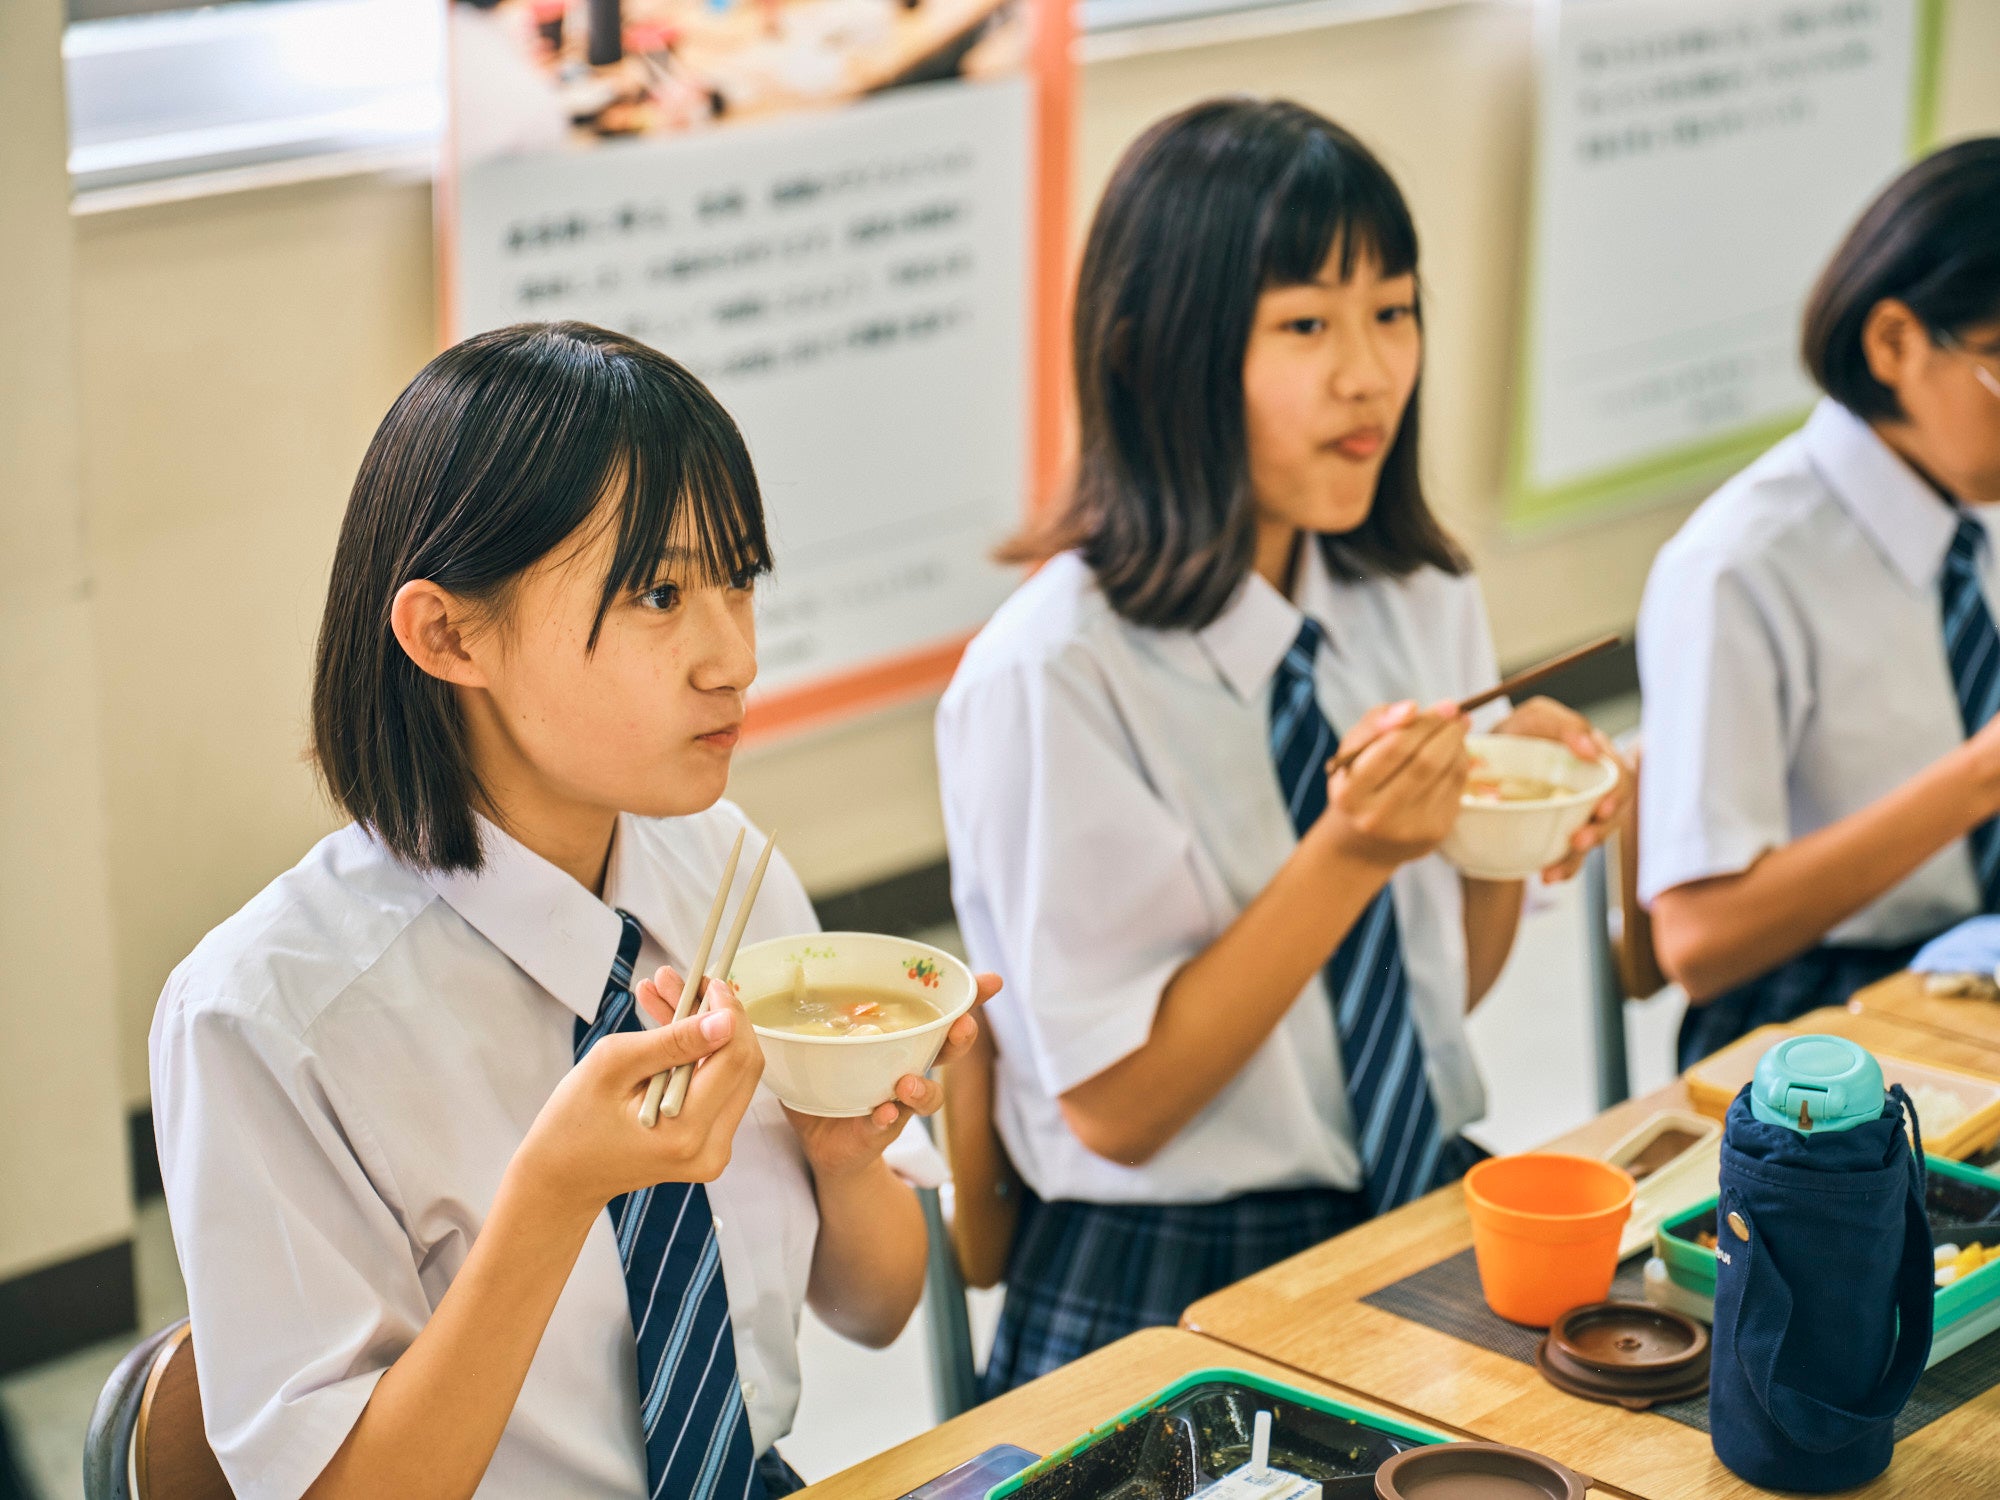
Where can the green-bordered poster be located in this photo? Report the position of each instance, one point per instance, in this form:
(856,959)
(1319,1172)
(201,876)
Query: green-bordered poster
(1696,163)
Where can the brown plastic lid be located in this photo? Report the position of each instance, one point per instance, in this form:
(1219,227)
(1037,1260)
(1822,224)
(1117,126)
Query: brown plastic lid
(1476,1471)
(1631,1353)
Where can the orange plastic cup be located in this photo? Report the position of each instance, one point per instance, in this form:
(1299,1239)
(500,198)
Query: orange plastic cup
(1545,1231)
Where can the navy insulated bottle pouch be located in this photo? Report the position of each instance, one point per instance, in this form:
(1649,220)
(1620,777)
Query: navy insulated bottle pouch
(1822,1297)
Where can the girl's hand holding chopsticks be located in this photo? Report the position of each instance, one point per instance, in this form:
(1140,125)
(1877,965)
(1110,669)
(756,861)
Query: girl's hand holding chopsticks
(1392,792)
(1546,719)
(587,1145)
(838,1147)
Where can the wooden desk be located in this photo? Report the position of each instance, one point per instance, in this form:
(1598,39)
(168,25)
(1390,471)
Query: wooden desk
(1900,998)
(1307,1313)
(1906,1027)
(1050,1412)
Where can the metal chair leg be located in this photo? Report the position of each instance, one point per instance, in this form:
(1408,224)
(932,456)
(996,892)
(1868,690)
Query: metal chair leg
(954,1381)
(1614,1083)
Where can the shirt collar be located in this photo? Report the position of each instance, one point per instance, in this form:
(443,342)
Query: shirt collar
(1255,630)
(559,934)
(1908,521)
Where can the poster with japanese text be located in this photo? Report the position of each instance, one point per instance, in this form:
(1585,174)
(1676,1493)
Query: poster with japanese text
(1697,162)
(845,217)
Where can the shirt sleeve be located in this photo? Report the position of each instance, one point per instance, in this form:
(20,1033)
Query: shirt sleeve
(302,1288)
(1071,876)
(1712,787)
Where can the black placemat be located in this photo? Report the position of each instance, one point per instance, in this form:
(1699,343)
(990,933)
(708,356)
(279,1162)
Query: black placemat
(1446,1297)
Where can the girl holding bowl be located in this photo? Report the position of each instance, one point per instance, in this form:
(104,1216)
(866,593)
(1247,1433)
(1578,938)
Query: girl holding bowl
(1238,981)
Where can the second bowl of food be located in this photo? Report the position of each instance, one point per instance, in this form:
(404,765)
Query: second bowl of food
(843,1015)
(1526,798)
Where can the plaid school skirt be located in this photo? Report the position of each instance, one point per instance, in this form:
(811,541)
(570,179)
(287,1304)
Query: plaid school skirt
(1082,1275)
(779,1477)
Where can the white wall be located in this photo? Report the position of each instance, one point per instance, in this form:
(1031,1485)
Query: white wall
(235,355)
(62,1149)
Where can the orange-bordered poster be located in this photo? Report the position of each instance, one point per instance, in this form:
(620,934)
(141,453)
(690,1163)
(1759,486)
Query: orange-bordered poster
(848,217)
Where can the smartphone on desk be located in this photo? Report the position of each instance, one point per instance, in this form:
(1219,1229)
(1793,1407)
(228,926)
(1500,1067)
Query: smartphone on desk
(973,1478)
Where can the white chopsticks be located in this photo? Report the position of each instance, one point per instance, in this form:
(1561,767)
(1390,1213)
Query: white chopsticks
(667,1093)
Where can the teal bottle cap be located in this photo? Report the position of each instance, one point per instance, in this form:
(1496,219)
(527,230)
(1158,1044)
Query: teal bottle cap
(1817,1083)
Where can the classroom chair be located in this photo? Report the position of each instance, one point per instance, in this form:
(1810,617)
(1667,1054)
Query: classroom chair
(146,1440)
(954,1373)
(1619,932)
(969,1246)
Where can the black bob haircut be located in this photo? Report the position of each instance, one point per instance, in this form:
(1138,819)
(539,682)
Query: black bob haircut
(1931,241)
(502,448)
(1207,210)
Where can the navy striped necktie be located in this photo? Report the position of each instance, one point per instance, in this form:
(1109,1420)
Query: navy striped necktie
(1972,646)
(1388,1090)
(690,1401)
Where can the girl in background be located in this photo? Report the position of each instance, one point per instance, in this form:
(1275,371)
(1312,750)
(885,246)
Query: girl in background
(1817,644)
(1238,982)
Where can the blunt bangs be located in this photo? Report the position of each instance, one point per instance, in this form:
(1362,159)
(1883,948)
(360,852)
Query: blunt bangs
(546,420)
(1334,198)
(688,494)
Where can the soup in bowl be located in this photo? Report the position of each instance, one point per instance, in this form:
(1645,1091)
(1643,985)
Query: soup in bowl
(1525,799)
(842,1016)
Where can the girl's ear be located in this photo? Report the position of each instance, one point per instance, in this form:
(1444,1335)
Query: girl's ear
(1893,339)
(429,626)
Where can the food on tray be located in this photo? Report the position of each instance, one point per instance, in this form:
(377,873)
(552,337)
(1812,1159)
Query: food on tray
(1257,1480)
(1660,1150)
(1962,986)
(1953,1263)
(1705,1238)
(1939,1111)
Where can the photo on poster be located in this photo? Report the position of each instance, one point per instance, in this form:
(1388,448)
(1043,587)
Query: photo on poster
(530,75)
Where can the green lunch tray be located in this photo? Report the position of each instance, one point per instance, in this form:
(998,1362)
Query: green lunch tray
(1190,1434)
(1964,1312)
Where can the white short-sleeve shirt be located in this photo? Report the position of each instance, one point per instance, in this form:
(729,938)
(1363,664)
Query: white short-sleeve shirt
(1112,806)
(1792,655)
(341,1073)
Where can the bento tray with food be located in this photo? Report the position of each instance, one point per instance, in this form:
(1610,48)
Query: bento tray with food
(1672,1158)
(1959,1113)
(1963,1205)
(1186,1437)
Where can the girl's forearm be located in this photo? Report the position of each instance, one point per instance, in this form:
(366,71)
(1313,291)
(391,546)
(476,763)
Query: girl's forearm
(1712,935)
(1492,917)
(436,1415)
(1222,1005)
(868,1265)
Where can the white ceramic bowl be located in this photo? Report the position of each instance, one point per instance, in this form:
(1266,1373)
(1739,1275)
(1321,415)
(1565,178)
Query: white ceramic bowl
(1513,840)
(850,1075)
